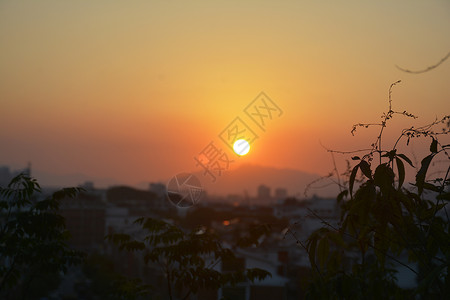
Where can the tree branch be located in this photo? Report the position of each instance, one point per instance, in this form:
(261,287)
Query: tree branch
(426,69)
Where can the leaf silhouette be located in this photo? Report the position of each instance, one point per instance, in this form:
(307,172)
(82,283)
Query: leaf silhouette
(420,177)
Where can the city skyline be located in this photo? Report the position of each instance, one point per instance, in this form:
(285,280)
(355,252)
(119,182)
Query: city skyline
(242,182)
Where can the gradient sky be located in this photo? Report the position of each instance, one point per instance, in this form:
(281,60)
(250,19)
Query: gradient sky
(133,90)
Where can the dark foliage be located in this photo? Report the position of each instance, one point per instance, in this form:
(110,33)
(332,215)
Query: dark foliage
(33,249)
(384,226)
(187,259)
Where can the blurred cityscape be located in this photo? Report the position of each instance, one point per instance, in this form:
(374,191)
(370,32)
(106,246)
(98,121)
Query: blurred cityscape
(95,213)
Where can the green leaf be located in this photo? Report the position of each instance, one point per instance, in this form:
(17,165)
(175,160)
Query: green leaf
(420,177)
(4,205)
(118,238)
(132,245)
(407,202)
(334,262)
(432,276)
(341,196)
(433,146)
(337,239)
(444,196)
(352,179)
(431,187)
(405,158)
(365,168)
(401,172)
(323,248)
(139,221)
(391,154)
(384,177)
(312,244)
(256,273)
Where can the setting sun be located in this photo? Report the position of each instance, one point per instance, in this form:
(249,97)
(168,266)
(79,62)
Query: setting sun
(241,147)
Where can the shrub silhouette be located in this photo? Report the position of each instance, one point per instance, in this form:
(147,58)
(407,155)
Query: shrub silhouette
(33,249)
(187,259)
(382,222)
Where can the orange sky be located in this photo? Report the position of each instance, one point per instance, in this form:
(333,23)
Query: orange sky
(133,91)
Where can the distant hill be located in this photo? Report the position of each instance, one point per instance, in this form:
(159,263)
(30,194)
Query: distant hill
(65,180)
(245,178)
(249,177)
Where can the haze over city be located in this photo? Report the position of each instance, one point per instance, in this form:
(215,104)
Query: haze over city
(134,91)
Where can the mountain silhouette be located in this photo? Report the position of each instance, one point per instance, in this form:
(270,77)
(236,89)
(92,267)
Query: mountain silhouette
(247,178)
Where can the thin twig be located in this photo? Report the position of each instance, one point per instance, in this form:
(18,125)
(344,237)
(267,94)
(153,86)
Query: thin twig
(306,249)
(426,69)
(337,172)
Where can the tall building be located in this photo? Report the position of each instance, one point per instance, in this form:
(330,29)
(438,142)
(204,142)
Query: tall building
(5,176)
(263,192)
(158,188)
(85,220)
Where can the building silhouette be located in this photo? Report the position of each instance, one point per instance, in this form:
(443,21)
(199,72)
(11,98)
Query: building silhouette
(263,192)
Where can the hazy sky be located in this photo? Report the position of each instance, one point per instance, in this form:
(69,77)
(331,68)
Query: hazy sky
(133,90)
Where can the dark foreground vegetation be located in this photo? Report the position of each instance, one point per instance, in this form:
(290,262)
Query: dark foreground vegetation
(387,225)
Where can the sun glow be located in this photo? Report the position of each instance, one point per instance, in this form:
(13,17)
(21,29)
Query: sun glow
(241,147)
